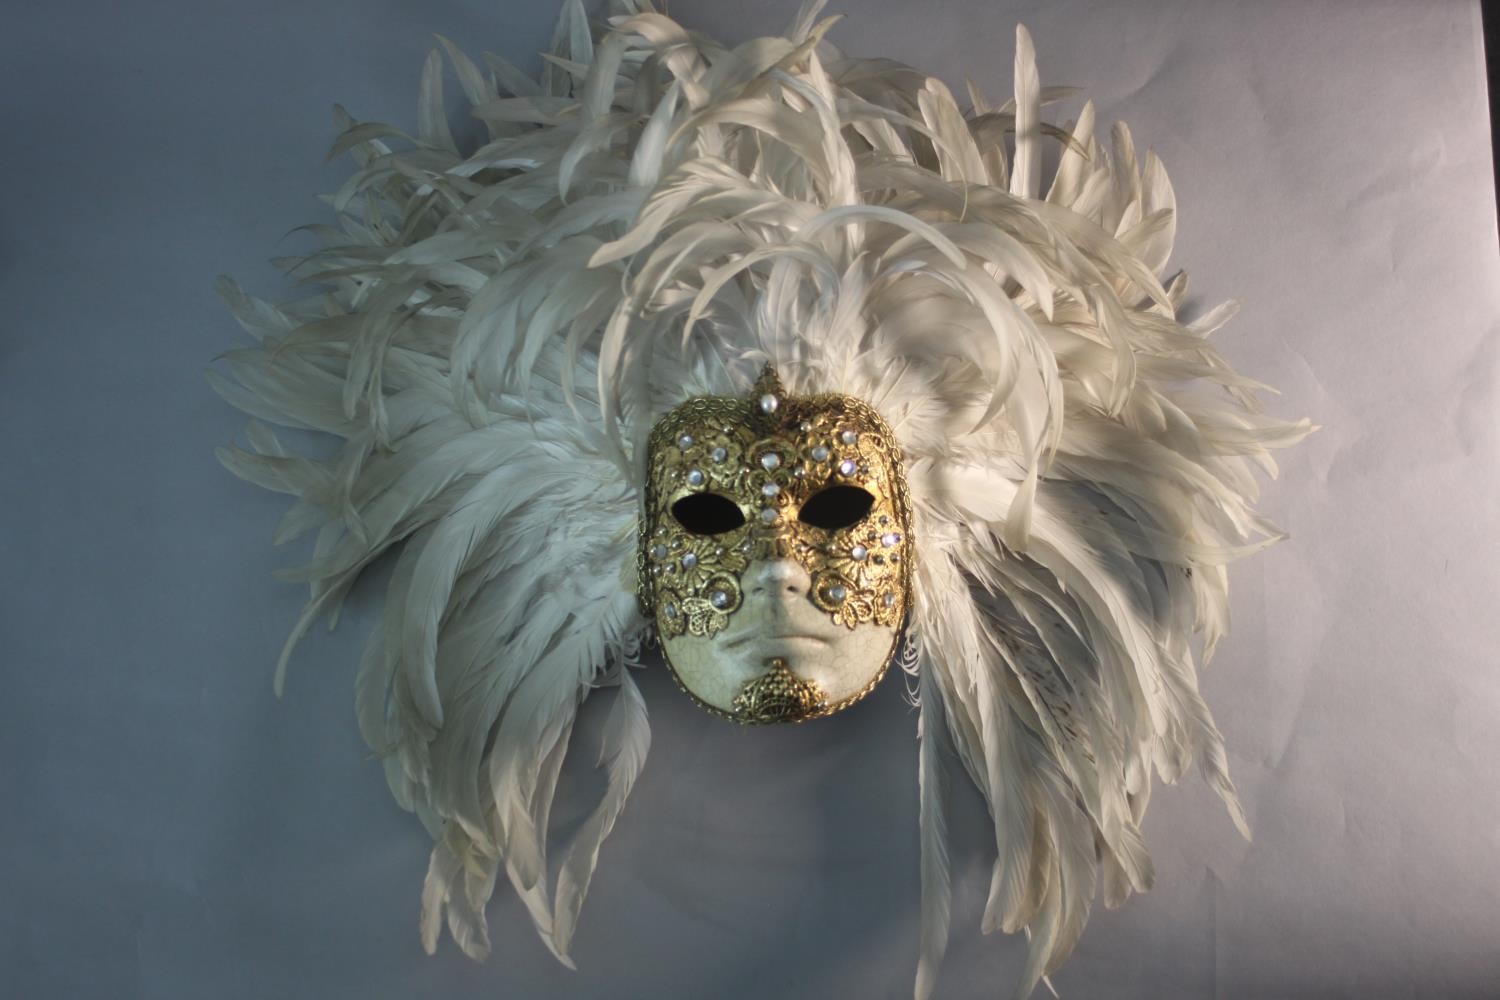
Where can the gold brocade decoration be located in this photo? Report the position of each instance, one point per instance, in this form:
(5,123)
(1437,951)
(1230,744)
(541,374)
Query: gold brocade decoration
(754,471)
(778,695)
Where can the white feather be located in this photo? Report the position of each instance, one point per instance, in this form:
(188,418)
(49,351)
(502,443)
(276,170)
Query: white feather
(1025,178)
(937,891)
(627,738)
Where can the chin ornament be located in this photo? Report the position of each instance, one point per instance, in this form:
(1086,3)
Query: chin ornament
(782,360)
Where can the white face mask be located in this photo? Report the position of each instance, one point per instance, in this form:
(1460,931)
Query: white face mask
(775,551)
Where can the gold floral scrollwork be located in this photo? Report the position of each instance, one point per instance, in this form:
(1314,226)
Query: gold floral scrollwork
(763,457)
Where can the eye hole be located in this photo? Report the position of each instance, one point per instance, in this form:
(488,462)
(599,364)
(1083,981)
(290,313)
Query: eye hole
(708,513)
(836,507)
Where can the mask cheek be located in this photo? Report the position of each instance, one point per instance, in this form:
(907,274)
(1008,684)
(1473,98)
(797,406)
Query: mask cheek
(853,661)
(711,671)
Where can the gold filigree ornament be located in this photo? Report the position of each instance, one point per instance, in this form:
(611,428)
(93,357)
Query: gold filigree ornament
(778,695)
(775,550)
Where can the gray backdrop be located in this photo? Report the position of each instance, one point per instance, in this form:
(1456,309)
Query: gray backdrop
(171,830)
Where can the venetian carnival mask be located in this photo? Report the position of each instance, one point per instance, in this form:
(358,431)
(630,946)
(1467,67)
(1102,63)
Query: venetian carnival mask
(500,346)
(776,551)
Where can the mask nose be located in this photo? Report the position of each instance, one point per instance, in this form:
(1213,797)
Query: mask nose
(783,578)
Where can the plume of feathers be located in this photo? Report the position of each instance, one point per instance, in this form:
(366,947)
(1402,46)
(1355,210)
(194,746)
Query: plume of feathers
(501,321)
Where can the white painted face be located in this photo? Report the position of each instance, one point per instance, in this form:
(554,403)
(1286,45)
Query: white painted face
(777,620)
(775,551)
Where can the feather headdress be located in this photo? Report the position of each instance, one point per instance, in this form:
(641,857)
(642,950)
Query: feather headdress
(658,217)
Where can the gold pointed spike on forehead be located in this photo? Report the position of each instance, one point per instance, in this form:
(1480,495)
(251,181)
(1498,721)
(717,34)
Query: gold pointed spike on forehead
(769,384)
